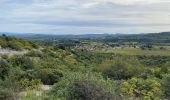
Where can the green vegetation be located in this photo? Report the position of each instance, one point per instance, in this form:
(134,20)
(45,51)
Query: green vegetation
(141,88)
(16,44)
(110,68)
(80,86)
(137,52)
(118,68)
(166,86)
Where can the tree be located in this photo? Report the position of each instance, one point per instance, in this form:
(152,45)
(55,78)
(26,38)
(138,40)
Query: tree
(4,35)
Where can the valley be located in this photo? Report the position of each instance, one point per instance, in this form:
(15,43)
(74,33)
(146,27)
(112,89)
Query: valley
(121,67)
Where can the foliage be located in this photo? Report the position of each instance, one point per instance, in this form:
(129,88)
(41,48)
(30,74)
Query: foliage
(166,85)
(33,53)
(141,88)
(88,90)
(9,87)
(86,69)
(23,62)
(16,44)
(49,76)
(165,68)
(26,84)
(4,69)
(119,69)
(153,61)
(71,84)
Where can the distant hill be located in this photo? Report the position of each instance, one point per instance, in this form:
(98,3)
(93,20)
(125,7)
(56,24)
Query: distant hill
(163,37)
(51,36)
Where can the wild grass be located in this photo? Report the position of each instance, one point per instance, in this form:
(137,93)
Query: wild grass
(41,95)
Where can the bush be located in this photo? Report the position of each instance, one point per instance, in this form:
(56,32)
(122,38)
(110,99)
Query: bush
(140,88)
(165,68)
(79,86)
(11,86)
(88,90)
(26,84)
(35,54)
(166,85)
(49,76)
(23,62)
(4,69)
(14,45)
(8,89)
(120,68)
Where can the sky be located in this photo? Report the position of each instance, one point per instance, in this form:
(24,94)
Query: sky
(84,16)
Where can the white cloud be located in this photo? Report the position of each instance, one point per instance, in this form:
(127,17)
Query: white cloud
(133,2)
(84,15)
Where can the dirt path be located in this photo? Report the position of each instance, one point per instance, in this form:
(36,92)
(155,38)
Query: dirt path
(12,52)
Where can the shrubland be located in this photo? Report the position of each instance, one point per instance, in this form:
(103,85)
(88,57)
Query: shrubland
(76,73)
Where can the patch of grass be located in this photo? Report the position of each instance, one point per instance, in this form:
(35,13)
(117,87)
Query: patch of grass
(38,95)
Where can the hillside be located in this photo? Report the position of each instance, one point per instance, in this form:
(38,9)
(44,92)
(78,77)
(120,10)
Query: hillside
(85,69)
(15,43)
(149,38)
(163,37)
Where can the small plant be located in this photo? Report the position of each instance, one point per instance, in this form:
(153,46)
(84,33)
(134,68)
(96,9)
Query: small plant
(26,84)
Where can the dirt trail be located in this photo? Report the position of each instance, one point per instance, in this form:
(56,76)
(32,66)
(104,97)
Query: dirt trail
(12,52)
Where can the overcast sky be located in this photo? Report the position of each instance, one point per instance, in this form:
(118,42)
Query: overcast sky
(84,16)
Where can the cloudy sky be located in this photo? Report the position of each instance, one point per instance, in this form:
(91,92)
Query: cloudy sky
(84,16)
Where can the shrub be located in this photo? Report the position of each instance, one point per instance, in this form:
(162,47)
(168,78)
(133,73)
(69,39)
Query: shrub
(141,88)
(26,84)
(4,69)
(120,68)
(165,68)
(166,85)
(79,86)
(8,89)
(49,76)
(23,62)
(88,90)
(14,45)
(34,54)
